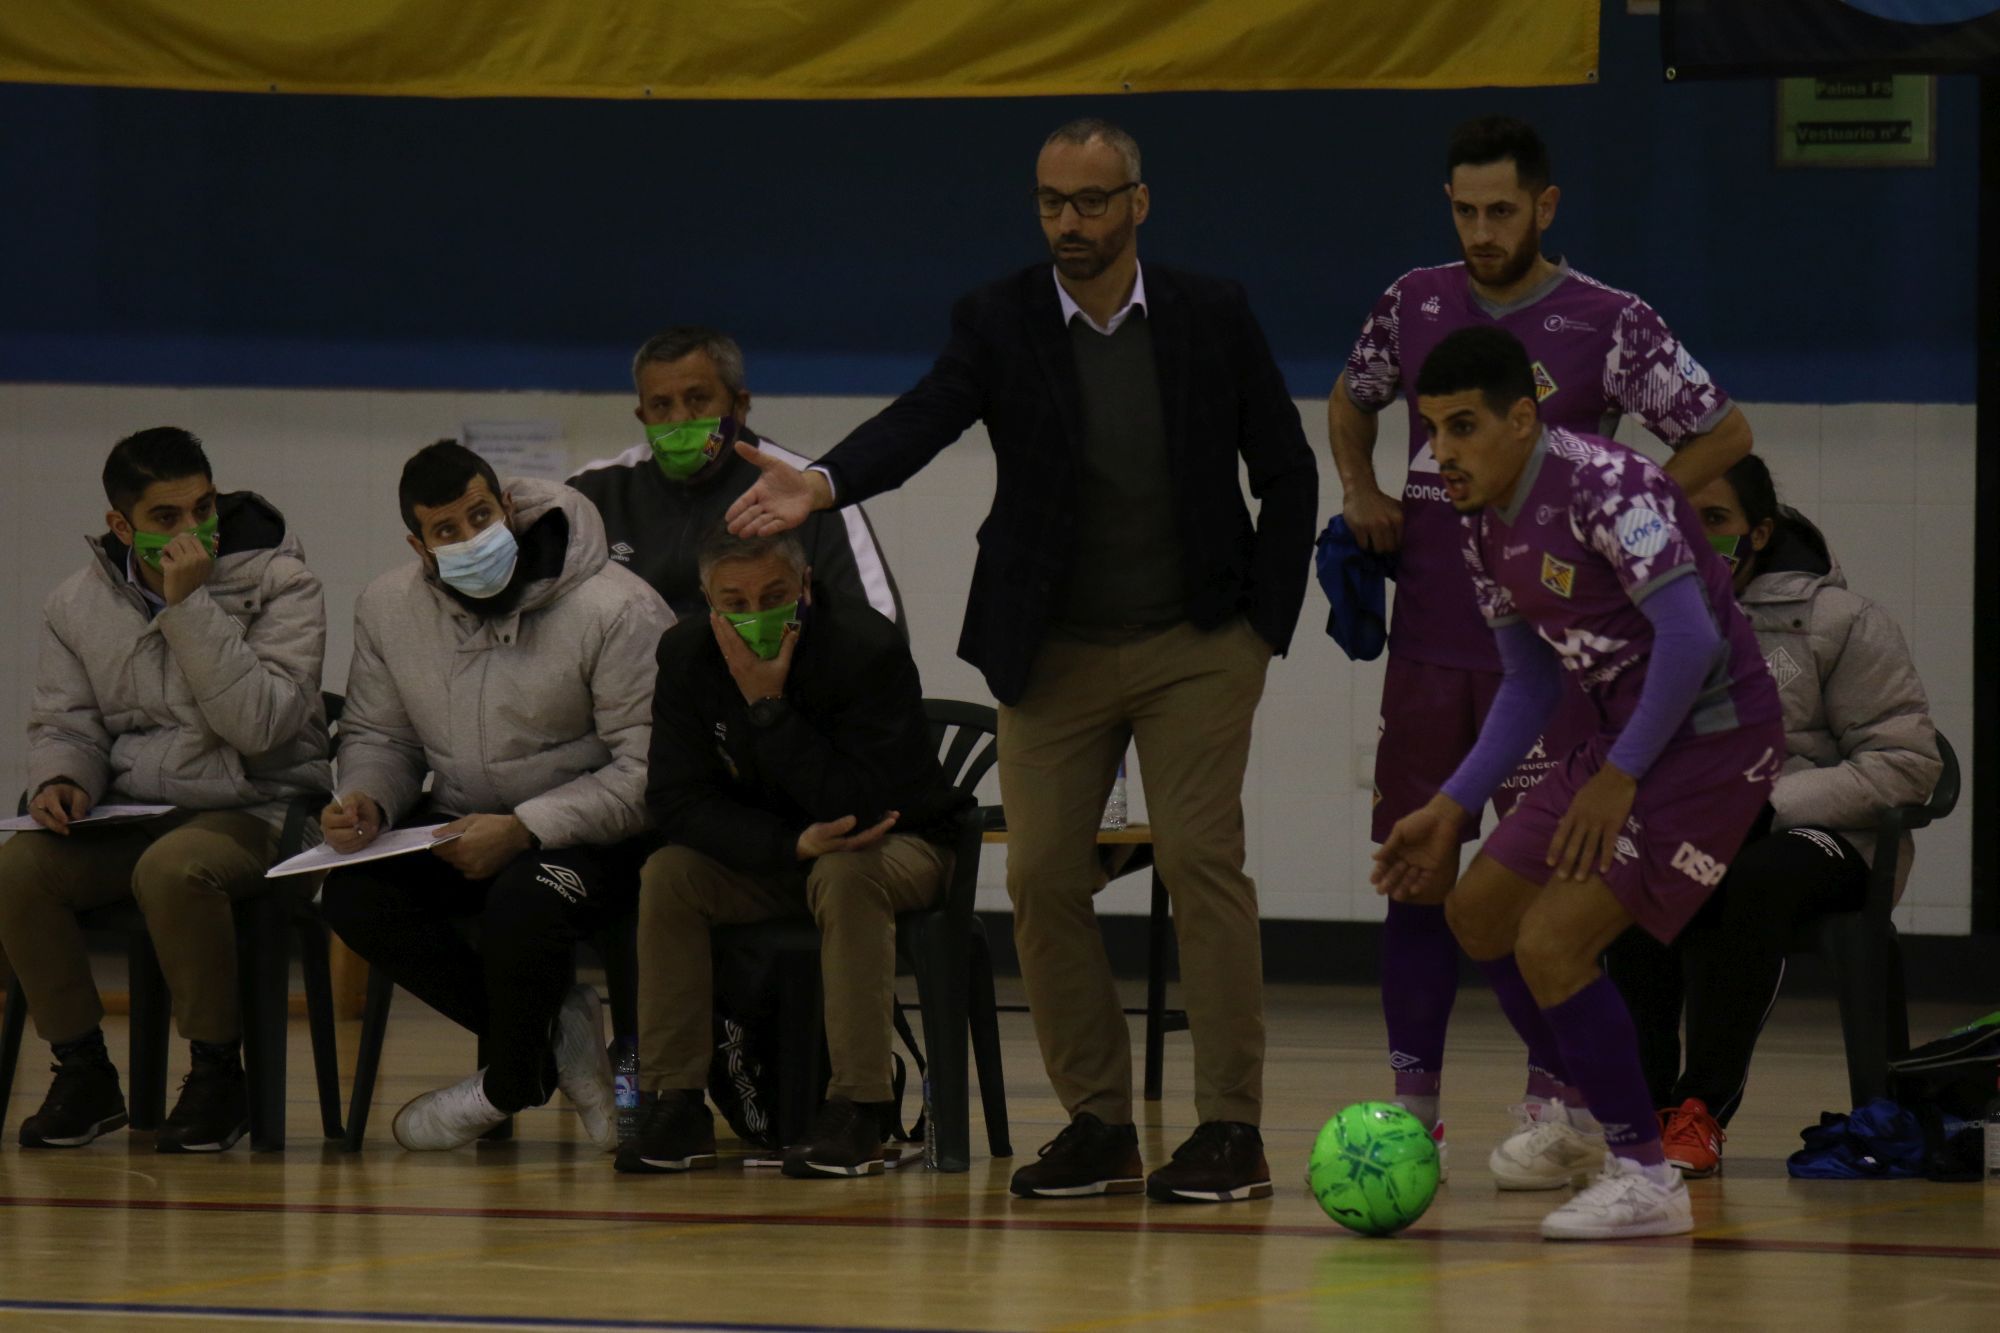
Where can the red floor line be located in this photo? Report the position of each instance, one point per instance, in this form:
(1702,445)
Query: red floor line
(1886,1249)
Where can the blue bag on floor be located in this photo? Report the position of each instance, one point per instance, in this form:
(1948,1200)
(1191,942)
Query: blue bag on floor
(1879,1141)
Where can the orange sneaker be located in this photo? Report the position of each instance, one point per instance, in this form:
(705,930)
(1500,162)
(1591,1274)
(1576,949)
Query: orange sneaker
(1692,1139)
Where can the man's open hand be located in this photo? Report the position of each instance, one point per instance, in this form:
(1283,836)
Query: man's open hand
(833,836)
(782,498)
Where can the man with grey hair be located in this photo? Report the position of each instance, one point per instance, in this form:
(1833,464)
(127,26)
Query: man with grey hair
(657,498)
(791,773)
(1123,594)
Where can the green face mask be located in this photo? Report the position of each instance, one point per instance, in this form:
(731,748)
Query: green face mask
(685,448)
(149,545)
(764,631)
(1730,548)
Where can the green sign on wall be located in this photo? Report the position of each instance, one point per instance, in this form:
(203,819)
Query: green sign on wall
(1857,122)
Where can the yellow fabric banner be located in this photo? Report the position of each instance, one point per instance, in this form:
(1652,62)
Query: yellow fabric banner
(795,48)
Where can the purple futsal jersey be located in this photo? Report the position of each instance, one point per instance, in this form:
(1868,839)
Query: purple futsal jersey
(1593,528)
(1598,353)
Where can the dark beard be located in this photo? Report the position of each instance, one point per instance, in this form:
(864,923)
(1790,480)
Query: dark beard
(1515,266)
(1082,268)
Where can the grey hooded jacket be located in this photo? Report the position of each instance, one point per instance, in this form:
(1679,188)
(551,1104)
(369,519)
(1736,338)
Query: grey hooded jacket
(213,704)
(544,712)
(1857,724)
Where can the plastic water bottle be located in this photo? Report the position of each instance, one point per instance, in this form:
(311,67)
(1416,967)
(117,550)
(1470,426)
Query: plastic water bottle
(1114,809)
(1993,1140)
(625,1085)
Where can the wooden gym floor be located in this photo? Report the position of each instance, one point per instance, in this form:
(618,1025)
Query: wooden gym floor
(541,1234)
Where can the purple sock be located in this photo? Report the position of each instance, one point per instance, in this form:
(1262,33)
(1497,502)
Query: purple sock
(1545,1057)
(1419,984)
(1543,1085)
(1602,1050)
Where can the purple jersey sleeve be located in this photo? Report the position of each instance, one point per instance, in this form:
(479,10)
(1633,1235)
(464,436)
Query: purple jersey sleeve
(1685,642)
(1651,375)
(1520,710)
(1626,513)
(1495,603)
(1374,369)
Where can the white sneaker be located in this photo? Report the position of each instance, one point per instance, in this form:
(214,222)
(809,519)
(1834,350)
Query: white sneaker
(447,1118)
(1623,1202)
(583,1066)
(1546,1151)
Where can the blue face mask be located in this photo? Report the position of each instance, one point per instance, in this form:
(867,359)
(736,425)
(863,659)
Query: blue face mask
(482,566)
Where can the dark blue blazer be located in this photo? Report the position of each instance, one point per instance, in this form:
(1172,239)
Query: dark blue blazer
(1008,363)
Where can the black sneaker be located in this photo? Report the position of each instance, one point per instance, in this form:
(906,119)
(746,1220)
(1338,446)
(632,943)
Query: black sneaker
(1088,1157)
(212,1113)
(676,1132)
(1222,1162)
(83,1102)
(845,1140)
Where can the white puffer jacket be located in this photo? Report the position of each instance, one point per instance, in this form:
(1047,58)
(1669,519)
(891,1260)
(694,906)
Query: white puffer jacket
(544,713)
(213,704)
(1857,723)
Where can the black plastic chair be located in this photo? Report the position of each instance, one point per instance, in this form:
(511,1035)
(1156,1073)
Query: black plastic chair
(944,947)
(1862,949)
(263,978)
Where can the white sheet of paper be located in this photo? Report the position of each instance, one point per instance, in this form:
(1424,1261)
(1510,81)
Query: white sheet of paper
(102,814)
(396,842)
(519,448)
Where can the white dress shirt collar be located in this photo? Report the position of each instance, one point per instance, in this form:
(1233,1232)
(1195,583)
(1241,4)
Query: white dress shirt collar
(1070,309)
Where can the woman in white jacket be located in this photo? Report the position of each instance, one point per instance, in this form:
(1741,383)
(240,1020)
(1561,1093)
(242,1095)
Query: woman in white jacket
(1859,741)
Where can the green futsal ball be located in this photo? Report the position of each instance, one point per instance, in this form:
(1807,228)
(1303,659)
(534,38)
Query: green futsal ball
(1374,1168)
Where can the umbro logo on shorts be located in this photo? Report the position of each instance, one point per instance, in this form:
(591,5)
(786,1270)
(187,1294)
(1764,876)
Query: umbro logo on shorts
(564,881)
(1699,866)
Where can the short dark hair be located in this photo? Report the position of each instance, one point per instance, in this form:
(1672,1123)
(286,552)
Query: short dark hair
(436,475)
(1490,139)
(719,544)
(163,453)
(1756,493)
(1485,358)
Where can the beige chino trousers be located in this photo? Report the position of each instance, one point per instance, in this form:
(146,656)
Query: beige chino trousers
(1186,697)
(184,870)
(854,896)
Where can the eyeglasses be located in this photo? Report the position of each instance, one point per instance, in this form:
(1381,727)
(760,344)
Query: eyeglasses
(1087,203)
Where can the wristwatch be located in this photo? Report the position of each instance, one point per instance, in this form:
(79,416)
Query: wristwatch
(768,711)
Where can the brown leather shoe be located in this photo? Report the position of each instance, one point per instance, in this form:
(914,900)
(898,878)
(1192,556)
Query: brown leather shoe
(1222,1162)
(1088,1157)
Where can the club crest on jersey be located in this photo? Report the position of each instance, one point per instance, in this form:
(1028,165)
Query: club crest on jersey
(1642,531)
(1545,383)
(1558,576)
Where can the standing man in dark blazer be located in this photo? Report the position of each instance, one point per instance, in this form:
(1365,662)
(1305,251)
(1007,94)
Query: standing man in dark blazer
(1122,592)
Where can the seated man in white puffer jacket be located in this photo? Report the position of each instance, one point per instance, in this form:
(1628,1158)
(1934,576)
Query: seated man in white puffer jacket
(513,663)
(180,666)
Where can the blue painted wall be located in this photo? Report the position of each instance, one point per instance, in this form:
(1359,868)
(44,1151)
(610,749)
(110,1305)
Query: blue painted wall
(214,239)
